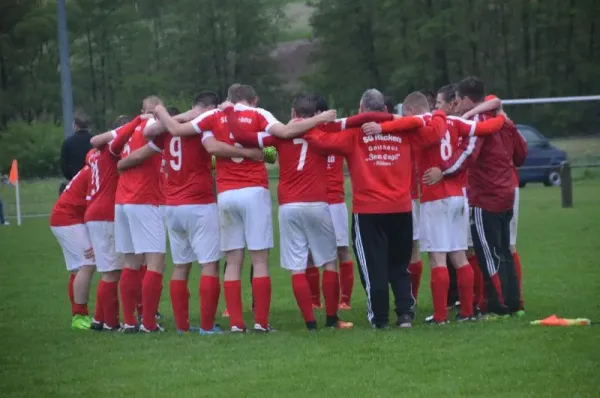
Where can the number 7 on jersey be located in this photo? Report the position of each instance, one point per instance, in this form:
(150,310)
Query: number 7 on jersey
(303,151)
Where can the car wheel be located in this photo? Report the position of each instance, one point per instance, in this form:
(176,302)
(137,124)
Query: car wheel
(553,179)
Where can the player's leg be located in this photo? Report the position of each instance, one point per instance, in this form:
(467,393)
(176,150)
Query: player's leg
(370,249)
(514,223)
(293,254)
(452,299)
(415,268)
(339,217)
(258,229)
(399,246)
(314,282)
(205,238)
(508,272)
(320,232)
(148,236)
(233,242)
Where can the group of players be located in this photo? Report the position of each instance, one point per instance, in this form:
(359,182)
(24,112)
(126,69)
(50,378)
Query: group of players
(154,173)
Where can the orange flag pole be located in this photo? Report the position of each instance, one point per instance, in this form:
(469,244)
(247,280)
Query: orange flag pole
(13,178)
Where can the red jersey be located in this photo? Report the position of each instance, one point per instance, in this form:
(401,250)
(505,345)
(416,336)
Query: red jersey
(236,173)
(415,184)
(140,184)
(335,179)
(188,167)
(379,165)
(70,207)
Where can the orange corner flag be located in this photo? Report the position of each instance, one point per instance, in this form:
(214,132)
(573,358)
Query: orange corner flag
(13,177)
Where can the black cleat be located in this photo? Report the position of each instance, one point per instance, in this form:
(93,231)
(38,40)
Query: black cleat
(430,321)
(129,329)
(404,321)
(96,326)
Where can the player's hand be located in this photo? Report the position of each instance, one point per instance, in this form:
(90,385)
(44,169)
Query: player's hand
(146,116)
(160,110)
(225,105)
(371,128)
(432,176)
(254,154)
(327,116)
(88,253)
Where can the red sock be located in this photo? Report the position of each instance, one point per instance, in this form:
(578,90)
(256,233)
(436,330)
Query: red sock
(331,292)
(464,280)
(233,302)
(98,311)
(346,281)
(312,276)
(151,290)
(440,283)
(80,309)
(180,300)
(261,288)
(303,296)
(209,291)
(415,270)
(478,284)
(110,304)
(128,287)
(141,276)
(519,277)
(71,293)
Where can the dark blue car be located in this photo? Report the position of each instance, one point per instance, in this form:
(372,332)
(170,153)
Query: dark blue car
(540,153)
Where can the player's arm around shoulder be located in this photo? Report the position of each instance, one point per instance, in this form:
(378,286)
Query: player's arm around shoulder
(137,157)
(297,128)
(224,150)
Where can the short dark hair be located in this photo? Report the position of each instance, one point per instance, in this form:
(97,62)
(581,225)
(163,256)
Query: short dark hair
(206,99)
(448,92)
(121,121)
(427,93)
(173,111)
(243,92)
(322,104)
(81,119)
(305,105)
(389,103)
(472,88)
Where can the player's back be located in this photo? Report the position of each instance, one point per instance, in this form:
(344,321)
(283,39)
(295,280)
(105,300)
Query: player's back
(140,184)
(335,179)
(103,185)
(302,172)
(70,207)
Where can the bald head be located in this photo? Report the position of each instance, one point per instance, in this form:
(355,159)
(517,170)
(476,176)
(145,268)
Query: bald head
(372,101)
(415,103)
(150,103)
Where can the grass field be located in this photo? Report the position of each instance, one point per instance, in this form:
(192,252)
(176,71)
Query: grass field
(41,356)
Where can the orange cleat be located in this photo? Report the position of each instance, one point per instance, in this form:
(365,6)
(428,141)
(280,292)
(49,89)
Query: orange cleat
(225,313)
(344,307)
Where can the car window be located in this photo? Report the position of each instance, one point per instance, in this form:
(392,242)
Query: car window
(530,135)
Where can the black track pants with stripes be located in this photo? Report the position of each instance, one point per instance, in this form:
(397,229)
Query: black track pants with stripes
(382,245)
(491,241)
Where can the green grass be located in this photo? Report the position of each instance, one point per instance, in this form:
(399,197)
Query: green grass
(42,357)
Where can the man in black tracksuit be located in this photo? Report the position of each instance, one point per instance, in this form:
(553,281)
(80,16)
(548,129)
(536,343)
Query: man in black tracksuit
(74,148)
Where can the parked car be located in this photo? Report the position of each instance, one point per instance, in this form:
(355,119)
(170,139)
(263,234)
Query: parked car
(540,153)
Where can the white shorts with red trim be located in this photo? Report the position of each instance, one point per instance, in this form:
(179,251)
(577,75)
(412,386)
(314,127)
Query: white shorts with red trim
(443,226)
(139,229)
(305,227)
(194,233)
(339,217)
(246,219)
(74,240)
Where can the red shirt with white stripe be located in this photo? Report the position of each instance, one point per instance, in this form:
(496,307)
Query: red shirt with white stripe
(188,169)
(140,184)
(70,207)
(236,173)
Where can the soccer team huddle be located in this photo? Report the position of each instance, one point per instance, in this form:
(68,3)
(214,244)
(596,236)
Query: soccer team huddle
(152,177)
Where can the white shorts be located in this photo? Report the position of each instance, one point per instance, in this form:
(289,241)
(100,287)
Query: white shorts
(163,213)
(194,233)
(444,225)
(514,221)
(246,219)
(468,211)
(415,219)
(305,227)
(339,216)
(139,229)
(74,241)
(102,235)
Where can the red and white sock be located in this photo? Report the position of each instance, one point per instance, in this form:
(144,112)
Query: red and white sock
(209,291)
(440,283)
(98,311)
(128,287)
(415,270)
(110,304)
(151,291)
(464,280)
(233,302)
(261,289)
(71,293)
(180,301)
(346,281)
(303,297)
(331,292)
(519,277)
(312,276)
